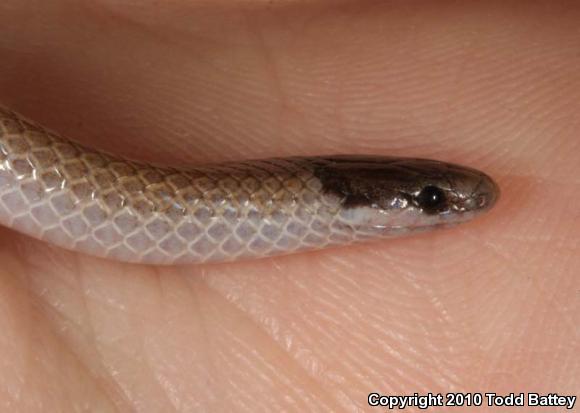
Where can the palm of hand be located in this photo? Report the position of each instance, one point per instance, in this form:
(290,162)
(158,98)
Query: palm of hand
(490,306)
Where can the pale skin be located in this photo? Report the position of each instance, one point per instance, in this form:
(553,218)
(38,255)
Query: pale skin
(493,305)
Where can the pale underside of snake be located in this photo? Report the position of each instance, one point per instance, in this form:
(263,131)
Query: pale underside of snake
(88,201)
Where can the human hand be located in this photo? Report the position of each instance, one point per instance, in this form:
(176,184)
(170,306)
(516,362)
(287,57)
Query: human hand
(489,306)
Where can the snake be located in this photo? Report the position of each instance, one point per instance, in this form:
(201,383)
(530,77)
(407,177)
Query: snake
(93,202)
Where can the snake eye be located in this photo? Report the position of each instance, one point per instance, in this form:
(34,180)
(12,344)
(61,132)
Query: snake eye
(431,199)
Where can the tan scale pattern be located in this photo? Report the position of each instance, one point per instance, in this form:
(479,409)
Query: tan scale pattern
(81,199)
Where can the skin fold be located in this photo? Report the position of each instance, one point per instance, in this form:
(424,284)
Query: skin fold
(492,305)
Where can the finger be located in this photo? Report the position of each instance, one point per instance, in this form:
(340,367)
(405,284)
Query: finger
(210,81)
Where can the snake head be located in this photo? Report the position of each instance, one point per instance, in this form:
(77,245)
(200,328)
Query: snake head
(382,193)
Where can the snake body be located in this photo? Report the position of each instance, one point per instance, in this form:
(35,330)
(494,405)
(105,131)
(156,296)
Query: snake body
(81,199)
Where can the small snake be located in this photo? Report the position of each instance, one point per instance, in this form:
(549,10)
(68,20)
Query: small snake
(84,200)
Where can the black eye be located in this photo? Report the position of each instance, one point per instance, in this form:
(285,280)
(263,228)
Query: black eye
(431,199)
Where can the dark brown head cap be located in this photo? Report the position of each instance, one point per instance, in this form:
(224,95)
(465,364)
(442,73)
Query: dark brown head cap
(389,183)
